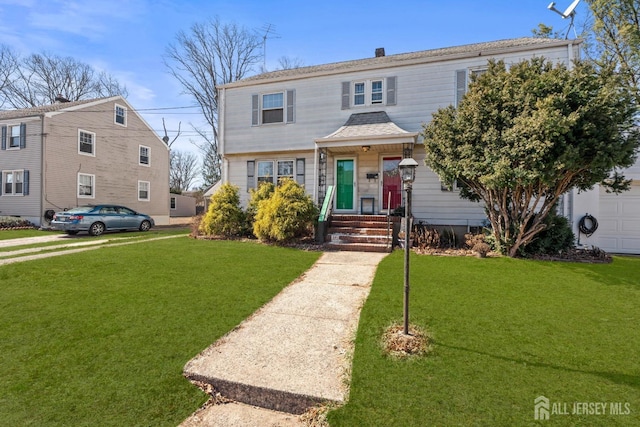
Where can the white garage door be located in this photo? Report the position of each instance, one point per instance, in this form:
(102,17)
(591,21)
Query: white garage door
(619,222)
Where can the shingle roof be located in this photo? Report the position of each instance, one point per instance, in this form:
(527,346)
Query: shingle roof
(363,125)
(35,111)
(476,49)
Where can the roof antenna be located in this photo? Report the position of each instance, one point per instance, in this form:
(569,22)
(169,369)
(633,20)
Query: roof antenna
(569,13)
(269,33)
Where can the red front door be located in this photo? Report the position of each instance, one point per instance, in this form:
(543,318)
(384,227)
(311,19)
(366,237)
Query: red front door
(391,183)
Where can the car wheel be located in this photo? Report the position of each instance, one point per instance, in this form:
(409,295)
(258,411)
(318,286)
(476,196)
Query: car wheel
(145,225)
(72,232)
(96,229)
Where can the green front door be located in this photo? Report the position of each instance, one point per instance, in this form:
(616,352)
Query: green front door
(344,184)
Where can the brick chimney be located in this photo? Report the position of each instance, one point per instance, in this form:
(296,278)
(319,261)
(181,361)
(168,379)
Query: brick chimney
(61,99)
(379,52)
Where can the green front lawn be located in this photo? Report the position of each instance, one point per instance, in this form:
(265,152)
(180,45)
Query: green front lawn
(505,332)
(101,337)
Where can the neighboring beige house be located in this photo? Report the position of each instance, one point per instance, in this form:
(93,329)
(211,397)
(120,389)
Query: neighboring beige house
(181,205)
(68,154)
(349,124)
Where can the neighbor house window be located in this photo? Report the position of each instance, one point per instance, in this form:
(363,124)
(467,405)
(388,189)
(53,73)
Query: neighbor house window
(273,108)
(144,155)
(14,137)
(86,142)
(13,183)
(173,203)
(86,185)
(143,190)
(121,115)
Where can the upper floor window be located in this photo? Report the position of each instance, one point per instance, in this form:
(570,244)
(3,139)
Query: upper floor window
(86,185)
(121,115)
(15,182)
(275,107)
(369,92)
(358,94)
(143,190)
(144,155)
(86,142)
(376,92)
(462,82)
(14,136)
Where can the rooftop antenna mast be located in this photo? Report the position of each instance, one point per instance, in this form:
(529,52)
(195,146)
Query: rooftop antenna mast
(269,31)
(569,13)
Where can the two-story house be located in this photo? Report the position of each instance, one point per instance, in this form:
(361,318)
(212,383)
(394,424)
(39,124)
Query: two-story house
(349,124)
(68,154)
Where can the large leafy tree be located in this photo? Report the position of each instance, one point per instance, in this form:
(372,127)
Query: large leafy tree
(522,137)
(614,38)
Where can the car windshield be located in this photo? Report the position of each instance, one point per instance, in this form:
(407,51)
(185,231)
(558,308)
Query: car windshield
(81,209)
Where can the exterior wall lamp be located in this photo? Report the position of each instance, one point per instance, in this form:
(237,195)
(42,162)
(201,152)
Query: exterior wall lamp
(366,148)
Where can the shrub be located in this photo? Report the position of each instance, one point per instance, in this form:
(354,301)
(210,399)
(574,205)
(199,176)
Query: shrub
(555,239)
(14,222)
(476,242)
(264,192)
(289,213)
(224,216)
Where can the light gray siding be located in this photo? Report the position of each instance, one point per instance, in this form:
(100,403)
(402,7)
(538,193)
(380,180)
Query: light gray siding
(324,102)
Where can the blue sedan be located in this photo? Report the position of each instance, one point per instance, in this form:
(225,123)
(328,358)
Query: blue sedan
(100,218)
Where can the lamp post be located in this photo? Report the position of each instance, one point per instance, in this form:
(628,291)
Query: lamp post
(408,172)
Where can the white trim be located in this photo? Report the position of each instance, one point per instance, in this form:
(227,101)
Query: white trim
(115,115)
(93,186)
(93,143)
(13,182)
(368,93)
(9,137)
(140,147)
(148,191)
(262,108)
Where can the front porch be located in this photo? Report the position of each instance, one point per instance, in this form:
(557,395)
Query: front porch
(360,160)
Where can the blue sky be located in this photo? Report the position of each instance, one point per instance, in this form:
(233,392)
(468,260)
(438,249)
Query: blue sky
(128,38)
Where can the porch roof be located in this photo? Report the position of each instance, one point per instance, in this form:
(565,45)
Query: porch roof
(374,128)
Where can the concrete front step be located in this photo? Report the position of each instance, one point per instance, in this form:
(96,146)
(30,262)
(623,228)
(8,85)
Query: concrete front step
(358,247)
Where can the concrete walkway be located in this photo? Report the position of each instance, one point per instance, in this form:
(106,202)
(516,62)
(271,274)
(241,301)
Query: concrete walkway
(293,353)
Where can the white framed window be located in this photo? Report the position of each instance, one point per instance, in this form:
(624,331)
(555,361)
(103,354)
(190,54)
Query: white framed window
(144,155)
(172,203)
(265,171)
(86,142)
(274,171)
(13,183)
(14,136)
(358,93)
(120,115)
(273,108)
(376,92)
(285,169)
(144,193)
(368,92)
(86,186)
